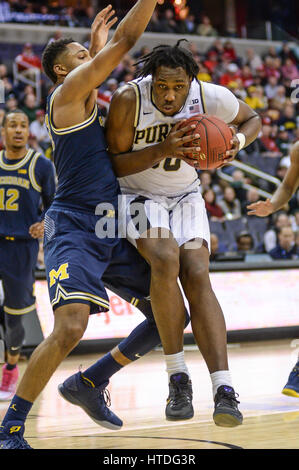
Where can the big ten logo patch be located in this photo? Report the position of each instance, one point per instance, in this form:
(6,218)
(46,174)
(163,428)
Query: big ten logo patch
(118,307)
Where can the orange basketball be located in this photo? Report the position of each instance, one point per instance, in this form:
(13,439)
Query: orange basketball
(214,140)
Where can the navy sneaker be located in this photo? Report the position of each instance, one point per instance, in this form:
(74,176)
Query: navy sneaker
(226,407)
(179,401)
(94,401)
(11,436)
(292,387)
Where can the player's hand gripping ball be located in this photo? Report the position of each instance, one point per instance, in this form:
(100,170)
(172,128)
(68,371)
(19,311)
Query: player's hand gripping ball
(214,141)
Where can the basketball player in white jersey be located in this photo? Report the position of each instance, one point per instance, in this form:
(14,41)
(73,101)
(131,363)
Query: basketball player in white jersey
(165,213)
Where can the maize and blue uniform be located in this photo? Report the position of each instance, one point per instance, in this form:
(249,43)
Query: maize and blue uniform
(81,245)
(24,184)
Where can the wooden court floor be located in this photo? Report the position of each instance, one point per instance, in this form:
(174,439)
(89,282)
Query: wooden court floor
(138,394)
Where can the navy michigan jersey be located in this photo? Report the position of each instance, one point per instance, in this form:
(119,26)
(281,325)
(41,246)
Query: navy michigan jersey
(24,184)
(83,166)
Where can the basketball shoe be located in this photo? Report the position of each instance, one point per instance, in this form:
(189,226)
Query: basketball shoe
(226,411)
(8,383)
(292,387)
(94,401)
(11,436)
(179,401)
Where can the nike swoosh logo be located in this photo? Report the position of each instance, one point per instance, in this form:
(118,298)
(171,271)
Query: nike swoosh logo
(137,355)
(14,349)
(148,113)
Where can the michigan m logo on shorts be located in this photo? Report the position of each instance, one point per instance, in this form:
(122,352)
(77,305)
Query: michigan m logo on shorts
(60,274)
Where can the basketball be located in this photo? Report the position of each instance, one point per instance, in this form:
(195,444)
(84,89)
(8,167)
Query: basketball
(214,140)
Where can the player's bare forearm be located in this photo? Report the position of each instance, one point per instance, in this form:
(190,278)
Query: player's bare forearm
(90,75)
(248,123)
(283,193)
(251,129)
(134,162)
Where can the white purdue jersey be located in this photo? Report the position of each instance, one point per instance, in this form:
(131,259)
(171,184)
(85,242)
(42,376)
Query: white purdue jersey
(172,177)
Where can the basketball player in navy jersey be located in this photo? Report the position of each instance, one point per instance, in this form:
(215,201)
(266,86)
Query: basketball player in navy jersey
(80,240)
(166,193)
(26,178)
(280,198)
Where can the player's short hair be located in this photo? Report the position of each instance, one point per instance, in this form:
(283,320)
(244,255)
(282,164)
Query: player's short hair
(168,56)
(50,54)
(13,111)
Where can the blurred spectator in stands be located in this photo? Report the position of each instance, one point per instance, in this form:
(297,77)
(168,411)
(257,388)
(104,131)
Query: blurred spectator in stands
(126,66)
(203,73)
(280,99)
(188,25)
(30,106)
(295,220)
(255,98)
(272,67)
(2,114)
(4,12)
(290,70)
(288,119)
(168,22)
(229,52)
(245,242)
(253,59)
(271,87)
(217,247)
(6,79)
(205,180)
(89,16)
(39,130)
(238,89)
(286,247)
(282,168)
(70,18)
(211,61)
(217,46)
(28,62)
(287,52)
(111,87)
(205,27)
(237,183)
(33,143)
(283,140)
(231,75)
(267,141)
(154,25)
(214,211)
(11,102)
(57,35)
(246,76)
(230,204)
(280,219)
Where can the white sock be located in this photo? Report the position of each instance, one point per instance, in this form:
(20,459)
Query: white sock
(221,377)
(175,363)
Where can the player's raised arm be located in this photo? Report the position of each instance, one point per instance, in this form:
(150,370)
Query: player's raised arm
(92,73)
(284,192)
(122,116)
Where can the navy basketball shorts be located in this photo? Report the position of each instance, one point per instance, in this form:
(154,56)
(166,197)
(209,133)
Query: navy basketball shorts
(18,260)
(76,260)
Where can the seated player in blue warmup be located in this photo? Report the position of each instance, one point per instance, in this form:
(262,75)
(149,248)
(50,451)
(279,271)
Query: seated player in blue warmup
(26,178)
(77,251)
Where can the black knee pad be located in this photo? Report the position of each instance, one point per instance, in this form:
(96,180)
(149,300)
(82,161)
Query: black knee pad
(14,333)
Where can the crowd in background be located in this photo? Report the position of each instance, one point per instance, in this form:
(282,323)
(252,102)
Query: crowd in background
(267,83)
